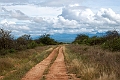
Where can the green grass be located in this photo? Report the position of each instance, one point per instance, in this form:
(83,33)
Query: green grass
(15,65)
(92,63)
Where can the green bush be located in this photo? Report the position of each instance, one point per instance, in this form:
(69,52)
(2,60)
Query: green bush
(45,39)
(32,45)
(3,52)
(81,39)
(11,50)
(113,45)
(95,41)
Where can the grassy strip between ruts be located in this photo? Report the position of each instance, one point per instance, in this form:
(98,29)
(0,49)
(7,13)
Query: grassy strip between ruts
(47,70)
(17,64)
(92,63)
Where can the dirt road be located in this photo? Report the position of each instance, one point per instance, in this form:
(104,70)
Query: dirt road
(56,72)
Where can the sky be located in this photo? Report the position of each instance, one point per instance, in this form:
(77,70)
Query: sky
(37,17)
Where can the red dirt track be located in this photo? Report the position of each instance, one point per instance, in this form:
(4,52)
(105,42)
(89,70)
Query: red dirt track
(56,72)
(36,72)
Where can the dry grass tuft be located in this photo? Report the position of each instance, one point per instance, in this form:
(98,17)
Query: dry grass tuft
(92,63)
(13,66)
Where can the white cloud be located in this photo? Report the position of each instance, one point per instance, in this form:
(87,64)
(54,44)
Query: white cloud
(36,20)
(66,22)
(18,15)
(87,18)
(13,1)
(33,10)
(59,2)
(73,5)
(7,22)
(109,14)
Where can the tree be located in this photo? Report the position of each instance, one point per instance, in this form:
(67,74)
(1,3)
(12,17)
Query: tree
(6,39)
(24,39)
(81,38)
(112,34)
(46,40)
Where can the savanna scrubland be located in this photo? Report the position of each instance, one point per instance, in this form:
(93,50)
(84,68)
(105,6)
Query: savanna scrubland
(86,58)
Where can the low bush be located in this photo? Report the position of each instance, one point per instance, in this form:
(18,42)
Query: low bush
(31,45)
(12,50)
(92,63)
(3,52)
(113,45)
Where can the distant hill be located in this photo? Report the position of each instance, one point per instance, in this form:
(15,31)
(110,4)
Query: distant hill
(68,38)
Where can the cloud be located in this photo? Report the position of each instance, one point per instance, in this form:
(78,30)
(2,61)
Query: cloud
(7,22)
(33,10)
(37,19)
(58,3)
(17,14)
(109,14)
(13,1)
(86,17)
(50,3)
(66,22)
(73,19)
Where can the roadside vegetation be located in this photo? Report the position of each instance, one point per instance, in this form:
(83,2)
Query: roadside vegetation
(87,58)
(17,56)
(8,44)
(14,66)
(94,58)
(110,41)
(92,62)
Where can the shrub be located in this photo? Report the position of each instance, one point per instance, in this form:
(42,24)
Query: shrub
(32,45)
(81,39)
(11,50)
(113,45)
(46,40)
(3,52)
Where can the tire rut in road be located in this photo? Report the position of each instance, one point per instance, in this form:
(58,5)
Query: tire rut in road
(36,72)
(58,69)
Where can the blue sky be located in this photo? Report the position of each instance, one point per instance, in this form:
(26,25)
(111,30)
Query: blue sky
(36,17)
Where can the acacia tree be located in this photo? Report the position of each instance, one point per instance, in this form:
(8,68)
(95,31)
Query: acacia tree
(24,39)
(112,35)
(6,39)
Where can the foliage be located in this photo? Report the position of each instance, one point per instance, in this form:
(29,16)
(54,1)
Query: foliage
(46,40)
(112,34)
(32,44)
(92,63)
(111,40)
(10,45)
(6,39)
(14,66)
(113,45)
(81,39)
